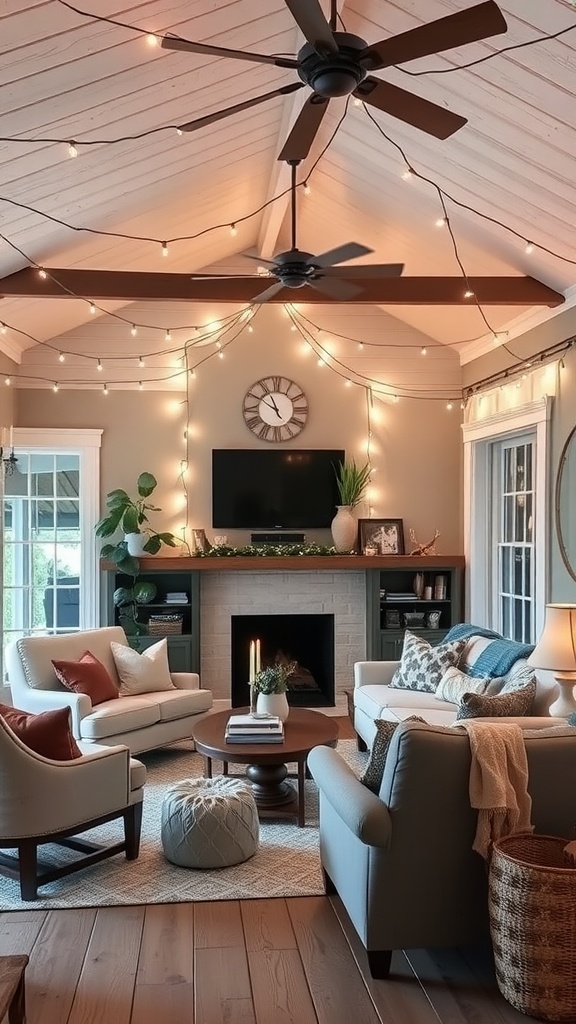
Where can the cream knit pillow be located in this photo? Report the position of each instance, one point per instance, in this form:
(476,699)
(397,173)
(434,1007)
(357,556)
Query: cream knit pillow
(142,673)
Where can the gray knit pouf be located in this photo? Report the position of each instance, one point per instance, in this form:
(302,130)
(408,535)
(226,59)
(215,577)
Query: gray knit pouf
(209,823)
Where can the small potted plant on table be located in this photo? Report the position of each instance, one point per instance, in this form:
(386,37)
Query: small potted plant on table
(270,685)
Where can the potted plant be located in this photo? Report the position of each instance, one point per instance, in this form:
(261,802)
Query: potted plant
(270,684)
(351,481)
(130,516)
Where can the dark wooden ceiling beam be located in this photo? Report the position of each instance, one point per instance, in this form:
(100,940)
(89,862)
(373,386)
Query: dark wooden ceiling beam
(136,286)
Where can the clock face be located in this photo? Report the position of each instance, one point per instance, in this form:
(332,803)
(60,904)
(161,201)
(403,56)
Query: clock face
(275,408)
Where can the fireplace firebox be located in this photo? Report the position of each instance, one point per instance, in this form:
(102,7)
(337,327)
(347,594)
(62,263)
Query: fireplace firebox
(306,639)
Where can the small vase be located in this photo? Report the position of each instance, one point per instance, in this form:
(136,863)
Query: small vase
(344,528)
(135,543)
(273,704)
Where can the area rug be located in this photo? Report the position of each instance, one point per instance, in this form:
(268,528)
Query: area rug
(287,862)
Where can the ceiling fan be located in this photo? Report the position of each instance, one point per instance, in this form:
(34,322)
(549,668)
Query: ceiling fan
(335,64)
(295,268)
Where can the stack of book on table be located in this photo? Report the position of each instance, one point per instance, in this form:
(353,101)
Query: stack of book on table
(246,729)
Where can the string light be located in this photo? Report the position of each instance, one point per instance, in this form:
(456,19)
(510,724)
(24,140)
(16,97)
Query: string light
(221,355)
(92,308)
(99,366)
(3,328)
(72,149)
(152,40)
(105,389)
(529,248)
(61,358)
(250,329)
(55,386)
(449,406)
(441,222)
(423,350)
(306,189)
(468,294)
(233,230)
(407,173)
(168,335)
(192,374)
(42,273)
(140,386)
(133,330)
(164,248)
(141,361)
(7,381)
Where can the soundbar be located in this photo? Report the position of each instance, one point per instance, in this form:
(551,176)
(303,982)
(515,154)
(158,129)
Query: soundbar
(277,538)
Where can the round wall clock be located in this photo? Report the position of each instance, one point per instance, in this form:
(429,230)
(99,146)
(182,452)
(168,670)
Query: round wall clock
(275,408)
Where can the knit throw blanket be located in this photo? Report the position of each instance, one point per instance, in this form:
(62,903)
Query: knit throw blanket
(498,781)
(497,659)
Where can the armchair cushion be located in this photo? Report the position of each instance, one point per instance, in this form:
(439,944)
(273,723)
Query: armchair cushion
(148,672)
(422,666)
(48,733)
(87,676)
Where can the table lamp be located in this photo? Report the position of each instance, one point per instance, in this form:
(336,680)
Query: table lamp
(556,651)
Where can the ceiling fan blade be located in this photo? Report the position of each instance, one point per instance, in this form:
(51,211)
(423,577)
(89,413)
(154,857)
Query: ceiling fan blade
(297,145)
(264,296)
(311,21)
(258,259)
(408,107)
(170,42)
(201,122)
(221,277)
(335,289)
(370,270)
(340,254)
(467,26)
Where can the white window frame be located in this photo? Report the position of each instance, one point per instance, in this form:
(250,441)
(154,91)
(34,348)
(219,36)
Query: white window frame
(86,444)
(534,418)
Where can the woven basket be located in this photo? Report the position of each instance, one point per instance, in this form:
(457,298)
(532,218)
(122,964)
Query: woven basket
(532,903)
(165,625)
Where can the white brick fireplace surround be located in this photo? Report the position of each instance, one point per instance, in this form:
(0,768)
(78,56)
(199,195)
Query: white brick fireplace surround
(224,594)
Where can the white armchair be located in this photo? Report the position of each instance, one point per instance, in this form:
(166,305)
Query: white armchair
(45,801)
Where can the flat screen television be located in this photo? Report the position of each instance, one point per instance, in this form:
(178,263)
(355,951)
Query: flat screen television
(260,489)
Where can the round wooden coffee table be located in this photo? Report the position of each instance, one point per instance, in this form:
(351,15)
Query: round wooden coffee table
(267,770)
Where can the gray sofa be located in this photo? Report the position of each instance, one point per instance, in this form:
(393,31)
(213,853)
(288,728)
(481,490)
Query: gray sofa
(402,861)
(140,722)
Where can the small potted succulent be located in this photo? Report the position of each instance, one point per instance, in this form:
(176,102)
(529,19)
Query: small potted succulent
(270,685)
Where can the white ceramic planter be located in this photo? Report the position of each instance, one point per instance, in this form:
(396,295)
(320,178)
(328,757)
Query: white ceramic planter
(273,704)
(344,528)
(135,543)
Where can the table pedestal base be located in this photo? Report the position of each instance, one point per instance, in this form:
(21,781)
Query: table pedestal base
(269,788)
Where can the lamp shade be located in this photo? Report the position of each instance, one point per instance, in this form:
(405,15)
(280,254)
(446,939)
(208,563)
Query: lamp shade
(556,648)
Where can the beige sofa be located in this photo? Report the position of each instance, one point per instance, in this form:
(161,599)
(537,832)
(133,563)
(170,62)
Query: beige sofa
(140,722)
(374,698)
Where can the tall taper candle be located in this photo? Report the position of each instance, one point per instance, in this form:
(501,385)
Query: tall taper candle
(257,657)
(252,661)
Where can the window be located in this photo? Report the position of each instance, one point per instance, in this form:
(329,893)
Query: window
(50,504)
(506,498)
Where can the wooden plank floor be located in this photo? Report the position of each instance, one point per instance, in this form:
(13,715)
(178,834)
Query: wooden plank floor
(279,961)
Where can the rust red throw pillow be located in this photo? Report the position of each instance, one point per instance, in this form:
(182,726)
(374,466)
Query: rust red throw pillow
(87,676)
(47,733)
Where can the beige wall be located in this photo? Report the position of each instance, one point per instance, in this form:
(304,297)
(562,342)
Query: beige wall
(7,392)
(561,328)
(416,445)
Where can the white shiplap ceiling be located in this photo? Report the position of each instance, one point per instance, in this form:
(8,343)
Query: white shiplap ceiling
(66,76)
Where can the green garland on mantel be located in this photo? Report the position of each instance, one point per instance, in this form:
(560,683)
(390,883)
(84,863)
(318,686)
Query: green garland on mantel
(267,551)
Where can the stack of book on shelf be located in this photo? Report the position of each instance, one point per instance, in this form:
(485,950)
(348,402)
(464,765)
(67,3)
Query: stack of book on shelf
(400,595)
(246,729)
(177,597)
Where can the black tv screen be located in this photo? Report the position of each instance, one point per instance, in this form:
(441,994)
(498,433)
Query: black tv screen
(294,489)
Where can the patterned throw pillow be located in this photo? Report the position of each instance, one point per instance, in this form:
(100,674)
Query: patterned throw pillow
(372,777)
(513,703)
(422,666)
(454,684)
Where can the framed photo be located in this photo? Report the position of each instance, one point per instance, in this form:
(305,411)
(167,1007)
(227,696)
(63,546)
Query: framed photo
(386,535)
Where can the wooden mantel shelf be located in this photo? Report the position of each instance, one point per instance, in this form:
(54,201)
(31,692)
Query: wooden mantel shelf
(291,563)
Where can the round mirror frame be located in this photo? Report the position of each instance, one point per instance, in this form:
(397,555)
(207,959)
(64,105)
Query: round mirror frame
(561,465)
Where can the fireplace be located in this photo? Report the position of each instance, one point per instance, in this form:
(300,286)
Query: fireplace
(306,639)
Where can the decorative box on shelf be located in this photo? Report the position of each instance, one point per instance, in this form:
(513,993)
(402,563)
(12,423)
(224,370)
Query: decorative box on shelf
(165,624)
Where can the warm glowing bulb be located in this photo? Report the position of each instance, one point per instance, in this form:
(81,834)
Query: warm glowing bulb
(423,350)
(449,406)
(141,361)
(348,384)
(105,389)
(441,222)
(221,355)
(357,101)
(250,329)
(233,230)
(193,374)
(99,366)
(61,357)
(55,386)
(178,131)
(72,150)
(468,294)
(529,248)
(168,335)
(42,273)
(92,308)
(3,328)
(407,174)
(164,248)
(134,330)
(361,345)
(152,40)
(7,381)
(307,189)
(321,362)
(140,386)
(293,327)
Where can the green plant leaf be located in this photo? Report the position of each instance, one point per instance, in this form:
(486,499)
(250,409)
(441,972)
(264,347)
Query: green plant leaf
(131,520)
(352,481)
(107,550)
(153,544)
(146,484)
(169,539)
(117,497)
(144,591)
(108,525)
(123,596)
